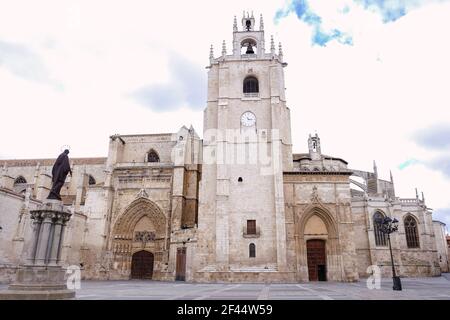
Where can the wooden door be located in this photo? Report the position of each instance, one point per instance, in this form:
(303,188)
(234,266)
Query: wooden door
(142,265)
(180,273)
(316,254)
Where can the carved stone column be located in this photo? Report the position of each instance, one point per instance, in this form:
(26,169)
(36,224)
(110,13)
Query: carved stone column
(57,240)
(37,222)
(44,240)
(41,277)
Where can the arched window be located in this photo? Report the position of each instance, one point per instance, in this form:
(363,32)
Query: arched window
(91,180)
(411,232)
(251,85)
(380,237)
(152,156)
(252,250)
(20,180)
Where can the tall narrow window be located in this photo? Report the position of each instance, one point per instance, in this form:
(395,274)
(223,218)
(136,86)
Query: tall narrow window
(380,237)
(252,250)
(91,180)
(152,156)
(251,85)
(251,226)
(412,234)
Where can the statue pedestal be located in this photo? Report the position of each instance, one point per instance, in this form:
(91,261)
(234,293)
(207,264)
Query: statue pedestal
(42,276)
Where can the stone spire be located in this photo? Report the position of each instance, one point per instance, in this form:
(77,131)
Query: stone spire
(423,197)
(280,51)
(261,23)
(211,54)
(224,48)
(235,28)
(392,179)
(417,194)
(375,169)
(272,45)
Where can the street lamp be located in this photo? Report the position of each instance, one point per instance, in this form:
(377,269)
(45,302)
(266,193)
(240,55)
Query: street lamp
(388,226)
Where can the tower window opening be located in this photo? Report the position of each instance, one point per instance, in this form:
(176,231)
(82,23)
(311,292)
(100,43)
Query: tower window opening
(251,85)
(248,25)
(240,179)
(248,47)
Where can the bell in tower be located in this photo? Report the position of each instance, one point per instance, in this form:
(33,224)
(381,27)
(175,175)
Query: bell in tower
(248,22)
(314,147)
(248,25)
(249,49)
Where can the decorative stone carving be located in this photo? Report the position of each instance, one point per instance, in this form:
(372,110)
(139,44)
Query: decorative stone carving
(142,194)
(315,195)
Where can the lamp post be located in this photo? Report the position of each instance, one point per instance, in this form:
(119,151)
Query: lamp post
(388,226)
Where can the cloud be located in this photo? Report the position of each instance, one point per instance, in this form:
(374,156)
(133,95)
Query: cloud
(22,62)
(435,137)
(328,22)
(442,215)
(186,86)
(392,10)
(441,163)
(320,35)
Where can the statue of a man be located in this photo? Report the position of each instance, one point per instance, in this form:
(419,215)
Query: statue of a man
(59,173)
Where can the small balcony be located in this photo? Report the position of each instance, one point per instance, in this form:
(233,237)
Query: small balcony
(251,95)
(255,234)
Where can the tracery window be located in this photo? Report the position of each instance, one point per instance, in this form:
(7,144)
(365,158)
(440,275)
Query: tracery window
(380,237)
(411,232)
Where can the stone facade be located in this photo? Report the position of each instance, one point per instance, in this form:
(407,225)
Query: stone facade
(442,246)
(237,206)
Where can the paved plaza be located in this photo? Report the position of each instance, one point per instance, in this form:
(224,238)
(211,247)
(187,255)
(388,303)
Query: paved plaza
(437,288)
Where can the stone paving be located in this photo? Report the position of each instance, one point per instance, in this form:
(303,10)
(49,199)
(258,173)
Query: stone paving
(437,288)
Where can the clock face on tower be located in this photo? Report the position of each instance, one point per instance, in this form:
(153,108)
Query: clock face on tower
(248,119)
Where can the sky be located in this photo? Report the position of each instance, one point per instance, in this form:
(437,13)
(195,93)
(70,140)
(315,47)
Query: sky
(371,77)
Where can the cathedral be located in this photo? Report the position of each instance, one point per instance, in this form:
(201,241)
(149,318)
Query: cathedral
(236,206)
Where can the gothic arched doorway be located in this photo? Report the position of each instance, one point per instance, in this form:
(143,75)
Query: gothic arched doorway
(317,259)
(141,227)
(142,265)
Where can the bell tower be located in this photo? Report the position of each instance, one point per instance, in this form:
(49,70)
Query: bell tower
(247,146)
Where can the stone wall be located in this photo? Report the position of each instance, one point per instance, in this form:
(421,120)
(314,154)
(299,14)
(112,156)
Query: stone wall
(409,262)
(441,245)
(324,196)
